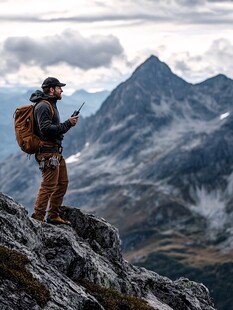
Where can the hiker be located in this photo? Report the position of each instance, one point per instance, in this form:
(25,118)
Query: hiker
(49,157)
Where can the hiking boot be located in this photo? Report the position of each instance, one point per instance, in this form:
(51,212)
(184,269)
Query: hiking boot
(37,217)
(57,220)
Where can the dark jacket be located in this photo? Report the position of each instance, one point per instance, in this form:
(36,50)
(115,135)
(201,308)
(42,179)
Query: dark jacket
(49,127)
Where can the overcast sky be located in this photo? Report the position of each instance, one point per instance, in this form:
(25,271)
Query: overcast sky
(97,44)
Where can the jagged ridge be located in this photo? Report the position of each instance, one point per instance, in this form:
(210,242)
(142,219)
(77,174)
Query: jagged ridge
(61,256)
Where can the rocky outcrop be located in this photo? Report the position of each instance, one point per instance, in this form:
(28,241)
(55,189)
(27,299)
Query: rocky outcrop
(61,257)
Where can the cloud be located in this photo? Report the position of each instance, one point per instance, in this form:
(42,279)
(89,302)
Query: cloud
(69,47)
(139,24)
(220,1)
(217,59)
(222,51)
(154,11)
(199,2)
(179,2)
(190,2)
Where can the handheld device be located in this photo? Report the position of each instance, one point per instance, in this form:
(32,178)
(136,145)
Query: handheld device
(76,112)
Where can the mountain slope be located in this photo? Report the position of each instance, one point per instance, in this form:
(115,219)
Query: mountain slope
(156,162)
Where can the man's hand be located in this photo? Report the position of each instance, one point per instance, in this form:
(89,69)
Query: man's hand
(73,120)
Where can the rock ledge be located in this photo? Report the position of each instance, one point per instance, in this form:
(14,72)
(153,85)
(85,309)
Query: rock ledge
(62,256)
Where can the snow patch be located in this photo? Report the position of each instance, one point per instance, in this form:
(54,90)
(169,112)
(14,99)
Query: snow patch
(73,158)
(224,115)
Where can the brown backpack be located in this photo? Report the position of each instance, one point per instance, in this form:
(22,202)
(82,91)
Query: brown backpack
(25,127)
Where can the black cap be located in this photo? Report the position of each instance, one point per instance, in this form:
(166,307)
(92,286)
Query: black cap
(52,82)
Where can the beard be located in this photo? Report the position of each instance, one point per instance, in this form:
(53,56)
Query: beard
(58,96)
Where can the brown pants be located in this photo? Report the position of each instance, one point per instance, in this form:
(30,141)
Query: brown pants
(53,187)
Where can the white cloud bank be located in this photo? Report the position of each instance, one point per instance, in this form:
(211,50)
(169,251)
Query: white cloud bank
(101,42)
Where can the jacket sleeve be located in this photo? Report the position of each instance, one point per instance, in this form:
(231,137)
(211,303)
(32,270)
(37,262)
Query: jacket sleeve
(45,122)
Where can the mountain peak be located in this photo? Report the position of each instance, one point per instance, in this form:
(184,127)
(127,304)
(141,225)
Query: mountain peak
(155,74)
(153,78)
(153,62)
(216,80)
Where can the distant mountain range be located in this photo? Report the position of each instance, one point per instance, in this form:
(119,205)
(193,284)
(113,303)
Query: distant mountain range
(156,161)
(12,98)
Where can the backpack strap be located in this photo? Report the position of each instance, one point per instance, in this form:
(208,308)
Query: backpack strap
(47,143)
(50,105)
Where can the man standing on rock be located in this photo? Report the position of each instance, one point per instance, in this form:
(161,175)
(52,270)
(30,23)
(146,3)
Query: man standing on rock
(51,162)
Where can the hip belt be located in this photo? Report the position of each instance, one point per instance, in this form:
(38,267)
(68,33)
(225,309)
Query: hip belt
(50,149)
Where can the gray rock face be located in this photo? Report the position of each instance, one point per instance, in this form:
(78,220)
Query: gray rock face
(61,256)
